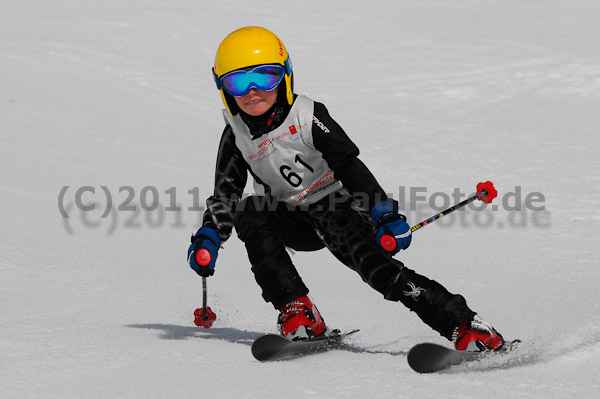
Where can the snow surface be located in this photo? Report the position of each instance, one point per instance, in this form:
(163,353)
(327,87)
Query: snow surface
(437,94)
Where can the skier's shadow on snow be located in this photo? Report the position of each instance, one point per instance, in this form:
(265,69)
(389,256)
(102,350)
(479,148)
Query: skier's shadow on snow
(171,331)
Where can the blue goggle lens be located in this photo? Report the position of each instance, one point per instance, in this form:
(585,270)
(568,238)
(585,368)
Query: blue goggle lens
(264,77)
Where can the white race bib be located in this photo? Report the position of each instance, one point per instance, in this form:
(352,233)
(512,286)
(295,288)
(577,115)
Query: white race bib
(285,159)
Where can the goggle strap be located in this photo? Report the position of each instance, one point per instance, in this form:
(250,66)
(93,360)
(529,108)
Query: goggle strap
(288,65)
(216,79)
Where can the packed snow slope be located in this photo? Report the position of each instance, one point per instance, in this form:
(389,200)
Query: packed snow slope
(109,125)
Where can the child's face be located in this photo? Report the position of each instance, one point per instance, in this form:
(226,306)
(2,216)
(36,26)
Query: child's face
(256,102)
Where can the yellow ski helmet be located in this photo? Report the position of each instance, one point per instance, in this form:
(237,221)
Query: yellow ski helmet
(246,47)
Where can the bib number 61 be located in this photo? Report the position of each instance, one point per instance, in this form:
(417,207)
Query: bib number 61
(292,177)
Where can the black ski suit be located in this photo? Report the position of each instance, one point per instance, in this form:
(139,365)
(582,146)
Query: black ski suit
(337,221)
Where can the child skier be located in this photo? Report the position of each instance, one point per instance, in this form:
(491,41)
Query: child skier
(316,194)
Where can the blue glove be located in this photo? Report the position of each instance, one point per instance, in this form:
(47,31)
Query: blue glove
(203,252)
(393,233)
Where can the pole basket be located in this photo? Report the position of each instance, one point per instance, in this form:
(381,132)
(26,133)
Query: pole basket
(490,194)
(204,317)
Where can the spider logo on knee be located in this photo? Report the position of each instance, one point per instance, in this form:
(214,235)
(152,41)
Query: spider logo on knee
(414,291)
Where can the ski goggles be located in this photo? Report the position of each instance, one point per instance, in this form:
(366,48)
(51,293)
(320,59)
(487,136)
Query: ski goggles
(263,77)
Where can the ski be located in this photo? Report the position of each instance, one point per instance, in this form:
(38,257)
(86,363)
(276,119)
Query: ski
(269,347)
(430,358)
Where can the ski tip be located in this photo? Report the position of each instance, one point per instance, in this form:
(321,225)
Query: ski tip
(269,347)
(429,357)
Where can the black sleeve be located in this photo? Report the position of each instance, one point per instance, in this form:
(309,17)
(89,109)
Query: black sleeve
(231,174)
(341,155)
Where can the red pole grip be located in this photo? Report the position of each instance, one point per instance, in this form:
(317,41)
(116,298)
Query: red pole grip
(203,257)
(388,243)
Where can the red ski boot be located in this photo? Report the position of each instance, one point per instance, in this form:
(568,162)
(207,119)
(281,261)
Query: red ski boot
(300,319)
(477,336)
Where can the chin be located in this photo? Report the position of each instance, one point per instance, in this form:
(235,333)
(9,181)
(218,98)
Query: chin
(257,111)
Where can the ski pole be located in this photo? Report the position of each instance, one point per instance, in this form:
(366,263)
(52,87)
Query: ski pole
(204,316)
(485,192)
